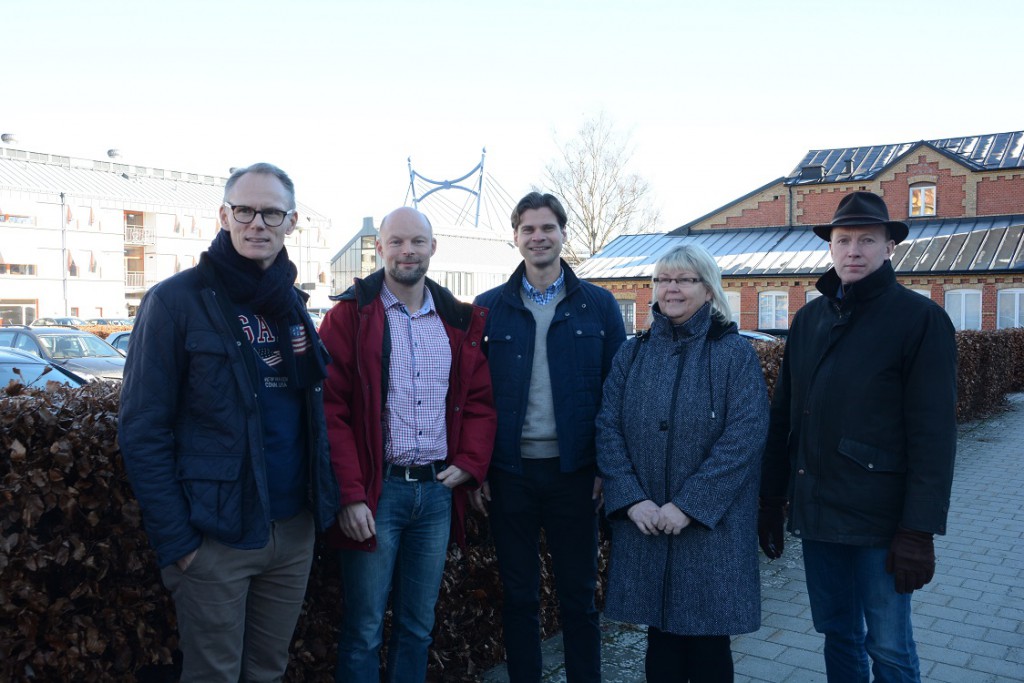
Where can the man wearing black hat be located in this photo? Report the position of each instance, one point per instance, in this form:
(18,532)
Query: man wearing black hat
(861,446)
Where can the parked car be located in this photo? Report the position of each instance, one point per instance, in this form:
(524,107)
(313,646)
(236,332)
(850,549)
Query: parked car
(780,332)
(759,336)
(81,352)
(120,340)
(69,321)
(33,371)
(106,321)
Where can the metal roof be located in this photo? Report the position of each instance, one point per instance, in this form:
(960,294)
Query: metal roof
(990,152)
(934,246)
(137,187)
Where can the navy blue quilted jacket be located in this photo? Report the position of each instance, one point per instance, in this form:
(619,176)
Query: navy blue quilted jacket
(585,333)
(190,427)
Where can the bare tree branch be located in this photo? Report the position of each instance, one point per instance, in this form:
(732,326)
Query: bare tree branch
(602,197)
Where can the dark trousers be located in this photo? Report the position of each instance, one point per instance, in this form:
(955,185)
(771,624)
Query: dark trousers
(563,505)
(681,659)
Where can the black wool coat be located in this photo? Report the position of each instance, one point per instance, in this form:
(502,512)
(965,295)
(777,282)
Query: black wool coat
(863,423)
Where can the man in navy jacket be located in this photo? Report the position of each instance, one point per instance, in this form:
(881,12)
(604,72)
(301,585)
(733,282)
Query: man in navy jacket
(550,339)
(223,436)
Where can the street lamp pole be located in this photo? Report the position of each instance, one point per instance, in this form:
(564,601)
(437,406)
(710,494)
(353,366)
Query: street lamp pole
(64,251)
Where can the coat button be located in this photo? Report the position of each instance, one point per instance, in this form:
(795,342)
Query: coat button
(796,532)
(663,425)
(507,337)
(473,344)
(871,465)
(799,471)
(579,331)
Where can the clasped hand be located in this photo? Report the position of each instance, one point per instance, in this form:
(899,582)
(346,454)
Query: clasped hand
(652,520)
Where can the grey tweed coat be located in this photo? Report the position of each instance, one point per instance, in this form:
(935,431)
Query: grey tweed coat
(684,419)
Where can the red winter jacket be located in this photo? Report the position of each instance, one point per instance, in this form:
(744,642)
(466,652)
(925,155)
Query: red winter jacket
(353,332)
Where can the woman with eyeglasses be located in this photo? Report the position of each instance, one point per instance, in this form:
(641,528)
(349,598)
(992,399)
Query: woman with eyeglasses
(680,435)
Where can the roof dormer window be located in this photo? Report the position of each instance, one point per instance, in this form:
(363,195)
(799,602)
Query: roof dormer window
(922,200)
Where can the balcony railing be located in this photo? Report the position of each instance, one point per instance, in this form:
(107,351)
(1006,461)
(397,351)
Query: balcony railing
(137,234)
(134,279)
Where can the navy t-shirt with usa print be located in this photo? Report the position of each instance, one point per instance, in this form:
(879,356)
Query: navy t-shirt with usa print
(282,409)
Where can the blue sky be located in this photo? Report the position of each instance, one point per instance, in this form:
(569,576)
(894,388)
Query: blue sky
(720,97)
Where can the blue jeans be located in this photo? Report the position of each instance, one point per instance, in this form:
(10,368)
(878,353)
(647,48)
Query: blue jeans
(561,504)
(854,603)
(413,521)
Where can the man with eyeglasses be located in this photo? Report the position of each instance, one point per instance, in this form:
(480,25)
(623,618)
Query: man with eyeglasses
(550,342)
(223,436)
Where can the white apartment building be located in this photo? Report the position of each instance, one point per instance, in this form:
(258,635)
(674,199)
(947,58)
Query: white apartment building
(88,237)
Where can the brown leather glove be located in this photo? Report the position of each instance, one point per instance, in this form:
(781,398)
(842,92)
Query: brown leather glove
(911,559)
(771,519)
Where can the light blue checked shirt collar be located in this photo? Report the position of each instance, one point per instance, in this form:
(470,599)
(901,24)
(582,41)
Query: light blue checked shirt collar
(545,297)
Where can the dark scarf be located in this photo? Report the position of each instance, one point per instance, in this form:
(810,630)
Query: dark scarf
(269,293)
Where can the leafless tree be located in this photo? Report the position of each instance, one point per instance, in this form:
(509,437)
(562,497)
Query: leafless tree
(602,196)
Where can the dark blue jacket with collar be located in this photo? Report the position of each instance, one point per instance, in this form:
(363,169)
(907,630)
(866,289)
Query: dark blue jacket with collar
(585,334)
(191,430)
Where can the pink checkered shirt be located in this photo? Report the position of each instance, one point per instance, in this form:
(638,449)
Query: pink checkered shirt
(419,366)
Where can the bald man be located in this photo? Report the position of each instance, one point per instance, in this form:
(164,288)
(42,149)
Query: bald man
(411,426)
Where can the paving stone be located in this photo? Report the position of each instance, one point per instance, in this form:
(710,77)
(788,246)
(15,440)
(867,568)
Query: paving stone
(1007,671)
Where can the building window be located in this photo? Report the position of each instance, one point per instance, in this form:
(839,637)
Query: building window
(628,311)
(1011,309)
(17,269)
(8,219)
(964,308)
(922,200)
(811,295)
(923,292)
(773,310)
(733,299)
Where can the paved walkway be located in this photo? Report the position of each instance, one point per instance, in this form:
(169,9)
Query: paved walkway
(968,622)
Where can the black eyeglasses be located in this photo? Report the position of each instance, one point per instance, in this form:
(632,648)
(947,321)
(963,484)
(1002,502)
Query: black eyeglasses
(272,218)
(681,281)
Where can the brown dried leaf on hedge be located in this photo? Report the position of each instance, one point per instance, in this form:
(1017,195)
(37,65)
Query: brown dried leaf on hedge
(70,541)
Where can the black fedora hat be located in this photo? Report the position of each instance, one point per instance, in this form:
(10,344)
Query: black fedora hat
(859,209)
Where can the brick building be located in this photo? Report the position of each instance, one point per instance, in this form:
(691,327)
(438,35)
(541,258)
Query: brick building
(963,199)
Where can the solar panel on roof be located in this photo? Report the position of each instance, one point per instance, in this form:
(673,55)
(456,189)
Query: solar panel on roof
(969,251)
(1011,245)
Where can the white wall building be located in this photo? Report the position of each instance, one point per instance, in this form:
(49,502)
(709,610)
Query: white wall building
(88,237)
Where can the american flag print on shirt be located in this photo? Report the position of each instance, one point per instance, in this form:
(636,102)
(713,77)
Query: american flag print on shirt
(300,340)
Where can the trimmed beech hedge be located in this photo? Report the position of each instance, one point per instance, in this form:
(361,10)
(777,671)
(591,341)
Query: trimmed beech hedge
(81,597)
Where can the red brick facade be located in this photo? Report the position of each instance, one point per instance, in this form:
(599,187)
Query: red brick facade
(960,193)
(1001,194)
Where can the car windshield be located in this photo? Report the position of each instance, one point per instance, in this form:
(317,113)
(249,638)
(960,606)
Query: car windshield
(33,374)
(63,346)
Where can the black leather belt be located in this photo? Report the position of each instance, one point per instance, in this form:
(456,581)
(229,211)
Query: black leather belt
(426,472)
